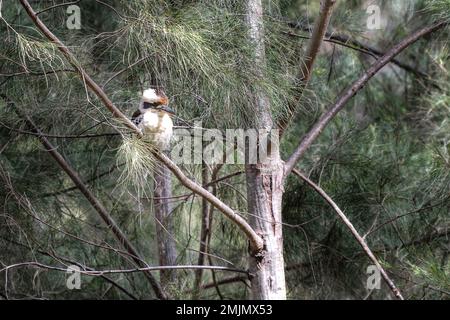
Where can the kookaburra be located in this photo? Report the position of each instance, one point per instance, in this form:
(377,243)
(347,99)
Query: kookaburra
(154,118)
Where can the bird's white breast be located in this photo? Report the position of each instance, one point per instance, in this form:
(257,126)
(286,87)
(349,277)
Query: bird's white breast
(158,126)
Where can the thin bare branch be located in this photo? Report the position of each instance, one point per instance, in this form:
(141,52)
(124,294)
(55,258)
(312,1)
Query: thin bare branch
(57,6)
(92,272)
(118,73)
(334,41)
(72,262)
(88,181)
(354,232)
(341,101)
(185,196)
(354,44)
(58,136)
(101,210)
(256,243)
(73,61)
(204,231)
(319,30)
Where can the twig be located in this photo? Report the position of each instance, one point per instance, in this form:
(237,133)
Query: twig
(241,278)
(331,40)
(391,220)
(58,5)
(101,210)
(33,73)
(73,136)
(354,232)
(320,28)
(111,7)
(92,272)
(98,176)
(54,256)
(348,42)
(204,231)
(123,70)
(73,61)
(211,183)
(215,284)
(341,101)
(256,243)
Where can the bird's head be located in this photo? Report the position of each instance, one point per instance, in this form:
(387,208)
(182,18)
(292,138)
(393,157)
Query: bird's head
(155,99)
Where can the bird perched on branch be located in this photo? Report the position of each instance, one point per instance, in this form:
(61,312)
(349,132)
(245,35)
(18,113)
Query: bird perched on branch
(154,117)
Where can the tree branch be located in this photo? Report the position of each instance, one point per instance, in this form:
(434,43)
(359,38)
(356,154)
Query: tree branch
(72,136)
(92,272)
(256,243)
(73,61)
(88,181)
(204,231)
(348,42)
(242,278)
(354,232)
(123,70)
(214,284)
(57,6)
(334,41)
(59,258)
(320,28)
(211,183)
(101,210)
(323,121)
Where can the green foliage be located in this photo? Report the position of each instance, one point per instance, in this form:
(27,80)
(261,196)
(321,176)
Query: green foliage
(440,9)
(385,159)
(434,272)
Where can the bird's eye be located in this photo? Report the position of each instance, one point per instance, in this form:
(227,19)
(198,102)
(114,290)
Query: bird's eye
(147,105)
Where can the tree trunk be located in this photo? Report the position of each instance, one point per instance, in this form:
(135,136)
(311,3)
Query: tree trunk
(264,194)
(164,223)
(204,233)
(264,180)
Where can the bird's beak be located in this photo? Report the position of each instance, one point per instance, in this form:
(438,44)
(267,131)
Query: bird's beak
(167,109)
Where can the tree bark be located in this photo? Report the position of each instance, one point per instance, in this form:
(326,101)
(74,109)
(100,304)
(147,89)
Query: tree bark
(264,193)
(264,182)
(204,233)
(164,224)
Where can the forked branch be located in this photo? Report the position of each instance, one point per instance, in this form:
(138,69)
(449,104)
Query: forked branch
(341,101)
(256,243)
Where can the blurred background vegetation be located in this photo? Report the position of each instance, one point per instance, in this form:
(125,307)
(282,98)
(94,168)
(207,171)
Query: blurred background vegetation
(385,159)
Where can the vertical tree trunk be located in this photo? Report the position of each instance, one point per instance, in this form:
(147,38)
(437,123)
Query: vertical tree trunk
(164,223)
(204,232)
(264,191)
(264,180)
